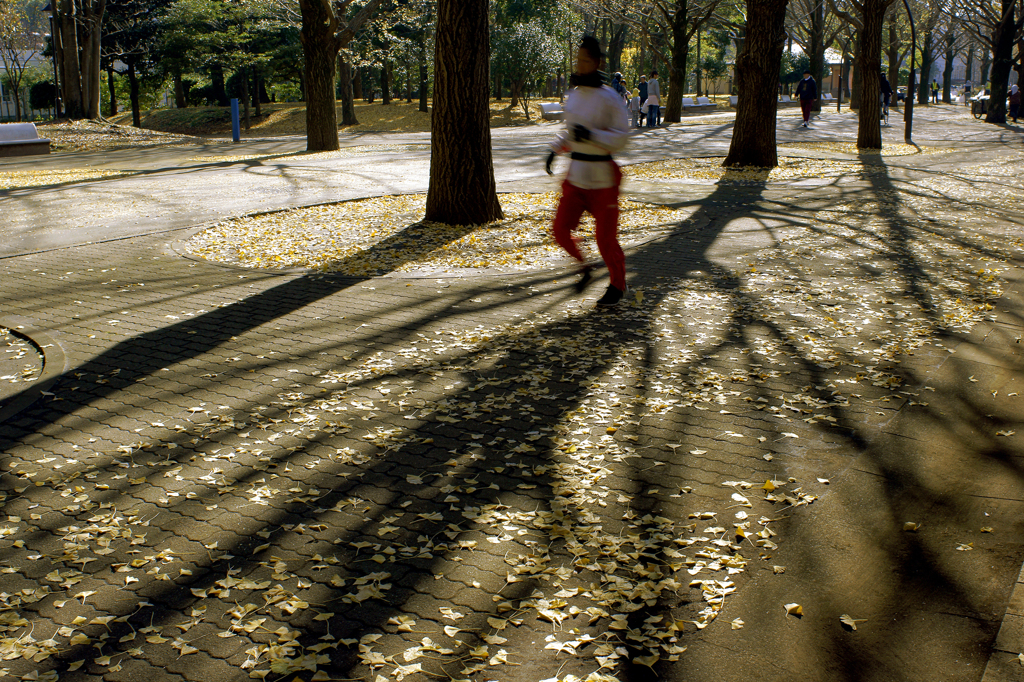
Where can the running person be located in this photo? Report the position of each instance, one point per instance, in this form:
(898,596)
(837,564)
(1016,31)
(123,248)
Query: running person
(596,126)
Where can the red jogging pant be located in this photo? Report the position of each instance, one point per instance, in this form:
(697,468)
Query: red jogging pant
(603,204)
(806,106)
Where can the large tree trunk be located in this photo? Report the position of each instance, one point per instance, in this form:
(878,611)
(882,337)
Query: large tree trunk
(58,55)
(357,84)
(947,72)
(924,92)
(462,188)
(757,79)
(986,62)
(133,94)
(348,106)
(73,104)
(869,64)
(92,73)
(179,91)
(817,48)
(217,82)
(616,44)
(677,65)
(321,51)
(1002,63)
(970,64)
(892,51)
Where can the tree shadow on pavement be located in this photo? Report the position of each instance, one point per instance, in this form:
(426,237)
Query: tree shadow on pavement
(512,470)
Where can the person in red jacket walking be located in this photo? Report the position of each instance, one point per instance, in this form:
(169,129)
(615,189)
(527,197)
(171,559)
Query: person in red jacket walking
(597,124)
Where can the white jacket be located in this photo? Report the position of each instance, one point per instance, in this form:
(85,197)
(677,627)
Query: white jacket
(602,111)
(654,92)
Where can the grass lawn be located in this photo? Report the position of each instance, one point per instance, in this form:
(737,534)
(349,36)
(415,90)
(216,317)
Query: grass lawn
(290,119)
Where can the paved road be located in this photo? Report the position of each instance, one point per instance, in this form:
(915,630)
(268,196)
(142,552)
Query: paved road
(194,188)
(533,485)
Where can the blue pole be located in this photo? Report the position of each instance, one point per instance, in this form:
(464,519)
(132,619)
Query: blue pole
(236,131)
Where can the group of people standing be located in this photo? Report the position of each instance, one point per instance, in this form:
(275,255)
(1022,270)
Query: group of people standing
(644,102)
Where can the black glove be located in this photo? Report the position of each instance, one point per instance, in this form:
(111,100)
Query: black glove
(547,164)
(580,133)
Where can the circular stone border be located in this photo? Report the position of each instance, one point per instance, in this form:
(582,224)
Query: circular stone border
(55,364)
(177,248)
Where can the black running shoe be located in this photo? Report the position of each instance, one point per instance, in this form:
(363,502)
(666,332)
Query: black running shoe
(584,279)
(611,297)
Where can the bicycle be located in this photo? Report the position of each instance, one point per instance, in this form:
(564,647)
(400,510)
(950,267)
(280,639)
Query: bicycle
(979,106)
(884,114)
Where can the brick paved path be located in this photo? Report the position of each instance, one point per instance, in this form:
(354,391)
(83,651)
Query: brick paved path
(484,478)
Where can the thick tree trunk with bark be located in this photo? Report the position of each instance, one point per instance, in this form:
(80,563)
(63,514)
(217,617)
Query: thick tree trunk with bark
(817,48)
(217,82)
(357,84)
(757,80)
(677,66)
(348,107)
(179,91)
(947,72)
(58,55)
(92,73)
(927,63)
(869,64)
(462,188)
(320,47)
(616,44)
(1002,63)
(73,103)
(133,94)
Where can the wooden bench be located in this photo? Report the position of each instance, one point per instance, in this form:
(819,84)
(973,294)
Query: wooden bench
(21,139)
(551,111)
(702,104)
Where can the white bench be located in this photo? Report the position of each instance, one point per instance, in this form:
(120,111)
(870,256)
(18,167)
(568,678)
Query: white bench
(827,97)
(21,139)
(734,100)
(702,104)
(551,111)
(785,99)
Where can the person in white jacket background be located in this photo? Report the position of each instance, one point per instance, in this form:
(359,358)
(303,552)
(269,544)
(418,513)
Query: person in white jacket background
(596,125)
